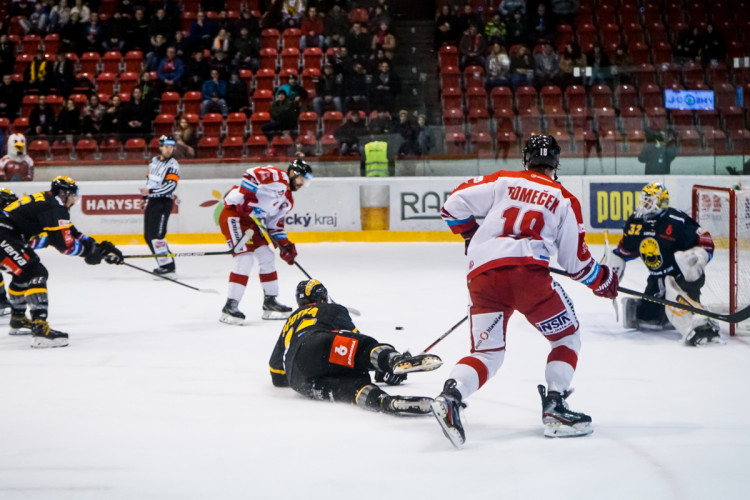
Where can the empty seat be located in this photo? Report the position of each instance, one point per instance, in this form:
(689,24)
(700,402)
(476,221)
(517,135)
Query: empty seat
(587,36)
(625,96)
(256,146)
(30,43)
(257,120)
(262,100)
(656,117)
(551,97)
(601,96)
(232,146)
(331,121)
(479,120)
(476,98)
(309,78)
(529,122)
(163,124)
(135,148)
(681,118)
(481,143)
(505,120)
(38,149)
(605,120)
(62,149)
(453,120)
(105,83)
(22,61)
(525,98)
(473,76)
(208,147)
(86,149)
(448,55)
(455,143)
(51,43)
(270,38)
(308,124)
(290,58)
(128,81)
(450,76)
(662,52)
(651,95)
(191,102)
(90,63)
(110,149)
(312,57)
(265,79)
(291,38)
(281,146)
(134,61)
(692,74)
(632,118)
(669,74)
(211,123)
(575,97)
(236,124)
(169,103)
(28,102)
(501,98)
(111,62)
(689,141)
(268,58)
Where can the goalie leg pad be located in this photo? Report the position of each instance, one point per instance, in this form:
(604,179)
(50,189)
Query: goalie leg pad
(687,323)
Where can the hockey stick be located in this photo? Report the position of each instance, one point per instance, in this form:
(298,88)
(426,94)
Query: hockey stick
(204,290)
(445,334)
(272,241)
(604,261)
(245,238)
(735,317)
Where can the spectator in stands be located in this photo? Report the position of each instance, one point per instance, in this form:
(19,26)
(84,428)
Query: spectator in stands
(521,67)
(565,10)
(38,21)
(378,15)
(201,31)
(160,24)
(623,65)
(408,133)
(446,27)
(68,120)
(58,16)
(658,152)
(327,91)
(348,134)
(236,94)
(517,29)
(272,17)
(336,27)
(357,43)
(11,94)
(7,55)
(186,138)
(170,71)
(214,91)
(62,78)
(82,9)
(246,51)
(148,90)
(542,25)
(114,116)
(469,18)
(471,49)
(546,66)
(114,33)
(181,45)
(220,62)
(41,119)
(714,46)
(21,8)
(36,76)
(386,86)
(292,11)
(137,116)
(312,30)
(357,89)
(136,34)
(249,21)
(212,5)
(509,7)
(343,64)
(197,71)
(284,113)
(294,91)
(570,59)
(221,41)
(689,44)
(598,59)
(384,39)
(381,124)
(93,34)
(495,30)
(425,138)
(498,68)
(157,52)
(93,116)
(377,57)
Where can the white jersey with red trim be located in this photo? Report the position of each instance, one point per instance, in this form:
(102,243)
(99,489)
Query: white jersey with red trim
(263,193)
(528,218)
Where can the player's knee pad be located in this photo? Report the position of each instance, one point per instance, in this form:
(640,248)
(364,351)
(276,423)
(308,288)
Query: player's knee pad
(266,259)
(684,321)
(243,263)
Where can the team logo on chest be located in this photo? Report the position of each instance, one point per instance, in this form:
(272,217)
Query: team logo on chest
(650,253)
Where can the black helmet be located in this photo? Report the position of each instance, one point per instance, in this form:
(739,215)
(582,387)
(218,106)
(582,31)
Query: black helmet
(309,292)
(541,151)
(166,141)
(296,169)
(63,184)
(6,197)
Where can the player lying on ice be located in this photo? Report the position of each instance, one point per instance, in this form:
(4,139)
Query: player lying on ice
(321,355)
(675,251)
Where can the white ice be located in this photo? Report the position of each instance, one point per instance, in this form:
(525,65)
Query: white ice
(155,399)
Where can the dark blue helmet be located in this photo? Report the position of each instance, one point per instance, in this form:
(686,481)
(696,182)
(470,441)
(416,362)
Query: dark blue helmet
(541,151)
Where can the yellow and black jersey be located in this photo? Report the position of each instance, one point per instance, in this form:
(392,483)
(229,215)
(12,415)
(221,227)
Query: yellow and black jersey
(42,214)
(303,323)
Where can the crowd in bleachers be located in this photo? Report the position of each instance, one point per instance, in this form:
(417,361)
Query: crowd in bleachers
(592,73)
(244,77)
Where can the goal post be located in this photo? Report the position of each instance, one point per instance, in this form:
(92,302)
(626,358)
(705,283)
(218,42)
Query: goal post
(725,214)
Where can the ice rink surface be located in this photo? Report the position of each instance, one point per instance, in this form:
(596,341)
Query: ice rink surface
(155,399)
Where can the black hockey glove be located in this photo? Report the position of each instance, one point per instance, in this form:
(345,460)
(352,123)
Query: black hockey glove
(388,377)
(110,253)
(91,255)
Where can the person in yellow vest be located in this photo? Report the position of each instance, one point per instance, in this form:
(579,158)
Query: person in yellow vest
(375,160)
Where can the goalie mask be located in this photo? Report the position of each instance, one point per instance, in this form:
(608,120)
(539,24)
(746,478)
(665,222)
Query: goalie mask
(654,198)
(310,292)
(541,151)
(300,174)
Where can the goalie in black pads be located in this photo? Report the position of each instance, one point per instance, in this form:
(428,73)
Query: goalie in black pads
(675,250)
(45,218)
(321,355)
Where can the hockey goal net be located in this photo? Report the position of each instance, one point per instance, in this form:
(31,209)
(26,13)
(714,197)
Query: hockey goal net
(725,213)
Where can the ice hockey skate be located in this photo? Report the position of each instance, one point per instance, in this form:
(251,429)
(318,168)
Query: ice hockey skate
(558,419)
(5,308)
(407,405)
(230,314)
(19,325)
(43,336)
(446,408)
(165,271)
(406,363)
(704,334)
(273,310)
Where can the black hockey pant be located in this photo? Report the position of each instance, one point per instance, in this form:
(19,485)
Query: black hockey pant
(29,282)
(155,220)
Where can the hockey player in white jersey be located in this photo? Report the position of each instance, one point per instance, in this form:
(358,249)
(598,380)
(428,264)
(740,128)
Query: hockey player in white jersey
(528,217)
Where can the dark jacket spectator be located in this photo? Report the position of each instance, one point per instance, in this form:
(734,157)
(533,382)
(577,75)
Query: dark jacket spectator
(468,18)
(471,49)
(114,116)
(136,36)
(510,7)
(63,77)
(149,90)
(657,154)
(221,63)
(93,34)
(236,94)
(115,32)
(7,55)
(170,71)
(357,43)
(714,46)
(327,91)
(386,85)
(197,71)
(349,133)
(42,118)
(689,45)
(357,89)
(542,25)
(71,35)
(408,132)
(446,27)
(69,119)
(245,51)
(517,29)
(601,72)
(160,24)
(137,115)
(546,66)
(284,113)
(336,26)
(425,139)
(93,116)
(11,93)
(249,21)
(381,124)
(202,31)
(521,67)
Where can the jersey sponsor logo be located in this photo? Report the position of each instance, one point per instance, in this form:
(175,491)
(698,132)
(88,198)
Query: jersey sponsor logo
(555,324)
(343,350)
(17,257)
(534,197)
(650,253)
(117,204)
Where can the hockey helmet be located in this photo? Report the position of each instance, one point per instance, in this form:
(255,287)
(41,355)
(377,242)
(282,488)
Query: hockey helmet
(300,174)
(309,292)
(654,198)
(63,184)
(6,197)
(166,141)
(541,151)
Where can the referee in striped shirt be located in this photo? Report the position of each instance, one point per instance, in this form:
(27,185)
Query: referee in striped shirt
(163,175)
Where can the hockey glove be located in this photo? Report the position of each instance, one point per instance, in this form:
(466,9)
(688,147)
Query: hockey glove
(91,254)
(288,250)
(692,262)
(388,377)
(110,253)
(468,235)
(605,284)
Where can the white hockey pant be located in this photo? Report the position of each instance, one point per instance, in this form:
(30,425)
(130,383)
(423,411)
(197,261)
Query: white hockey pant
(243,264)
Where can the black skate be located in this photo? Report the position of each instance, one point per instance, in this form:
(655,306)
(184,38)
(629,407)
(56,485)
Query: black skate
(43,336)
(273,310)
(446,408)
(19,325)
(704,334)
(406,363)
(5,308)
(407,405)
(230,314)
(558,419)
(166,271)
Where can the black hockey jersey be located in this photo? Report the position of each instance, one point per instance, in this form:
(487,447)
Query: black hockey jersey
(655,240)
(305,322)
(42,214)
